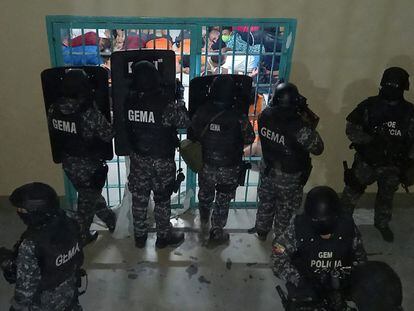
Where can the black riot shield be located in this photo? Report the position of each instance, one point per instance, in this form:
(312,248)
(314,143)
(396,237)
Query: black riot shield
(200,92)
(52,90)
(121,64)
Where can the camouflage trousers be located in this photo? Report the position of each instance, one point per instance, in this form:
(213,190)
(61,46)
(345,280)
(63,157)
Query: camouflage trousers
(219,183)
(64,297)
(148,174)
(82,173)
(280,197)
(387,179)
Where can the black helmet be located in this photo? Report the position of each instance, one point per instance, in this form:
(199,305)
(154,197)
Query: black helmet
(76,84)
(395,77)
(222,91)
(322,206)
(285,95)
(145,77)
(39,201)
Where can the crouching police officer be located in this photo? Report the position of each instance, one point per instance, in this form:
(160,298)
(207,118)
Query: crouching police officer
(381,130)
(317,250)
(287,139)
(152,120)
(79,143)
(222,132)
(49,254)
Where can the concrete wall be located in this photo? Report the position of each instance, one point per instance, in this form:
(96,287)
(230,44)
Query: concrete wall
(341,49)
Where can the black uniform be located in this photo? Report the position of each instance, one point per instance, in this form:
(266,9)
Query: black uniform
(381,130)
(316,247)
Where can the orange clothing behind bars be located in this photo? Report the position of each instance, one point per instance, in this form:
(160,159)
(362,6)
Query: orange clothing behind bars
(159,44)
(253,117)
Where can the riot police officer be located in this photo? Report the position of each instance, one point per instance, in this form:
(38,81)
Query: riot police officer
(286,141)
(381,129)
(152,120)
(49,254)
(222,132)
(315,254)
(79,128)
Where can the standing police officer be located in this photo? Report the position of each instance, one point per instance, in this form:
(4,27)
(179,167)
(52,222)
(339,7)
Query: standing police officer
(317,249)
(49,254)
(381,129)
(222,132)
(152,121)
(286,141)
(80,128)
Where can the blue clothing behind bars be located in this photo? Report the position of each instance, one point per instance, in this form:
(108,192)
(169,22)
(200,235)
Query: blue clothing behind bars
(81,55)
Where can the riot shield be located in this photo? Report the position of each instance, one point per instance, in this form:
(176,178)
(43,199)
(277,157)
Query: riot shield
(121,64)
(200,92)
(52,90)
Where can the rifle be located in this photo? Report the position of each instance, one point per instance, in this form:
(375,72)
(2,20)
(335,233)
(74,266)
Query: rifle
(301,305)
(307,115)
(283,297)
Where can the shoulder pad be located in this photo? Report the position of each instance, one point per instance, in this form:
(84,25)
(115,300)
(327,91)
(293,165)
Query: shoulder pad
(357,115)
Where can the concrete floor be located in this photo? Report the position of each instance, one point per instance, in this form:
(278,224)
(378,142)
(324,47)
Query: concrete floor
(194,277)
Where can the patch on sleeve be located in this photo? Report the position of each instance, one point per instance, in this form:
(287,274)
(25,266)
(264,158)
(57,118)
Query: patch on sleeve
(278,249)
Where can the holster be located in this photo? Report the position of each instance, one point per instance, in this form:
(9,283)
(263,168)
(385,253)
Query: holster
(351,180)
(99,177)
(81,273)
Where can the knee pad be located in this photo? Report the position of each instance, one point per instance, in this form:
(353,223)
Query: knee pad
(225,188)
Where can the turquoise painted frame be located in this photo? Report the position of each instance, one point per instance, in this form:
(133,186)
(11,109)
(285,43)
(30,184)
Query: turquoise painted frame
(56,22)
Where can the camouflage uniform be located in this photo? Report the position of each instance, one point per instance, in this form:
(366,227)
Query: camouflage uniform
(286,245)
(27,296)
(81,171)
(158,175)
(387,176)
(280,193)
(220,182)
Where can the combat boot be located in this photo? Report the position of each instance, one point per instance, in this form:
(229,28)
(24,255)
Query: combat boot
(141,241)
(89,237)
(109,218)
(218,236)
(386,233)
(173,239)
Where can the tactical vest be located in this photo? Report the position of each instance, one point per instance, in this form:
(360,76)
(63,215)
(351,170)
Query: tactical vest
(67,132)
(222,143)
(392,145)
(315,254)
(57,262)
(279,145)
(147,135)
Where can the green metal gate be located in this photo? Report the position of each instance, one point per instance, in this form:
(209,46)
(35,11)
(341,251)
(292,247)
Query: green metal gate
(261,48)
